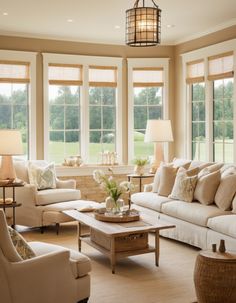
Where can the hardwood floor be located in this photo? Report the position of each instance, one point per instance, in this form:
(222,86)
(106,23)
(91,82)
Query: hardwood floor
(137,279)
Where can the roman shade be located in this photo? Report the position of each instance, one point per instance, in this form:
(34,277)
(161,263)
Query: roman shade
(221,66)
(103,76)
(195,71)
(65,74)
(148,77)
(14,72)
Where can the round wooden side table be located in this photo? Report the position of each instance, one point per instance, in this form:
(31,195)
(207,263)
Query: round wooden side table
(215,277)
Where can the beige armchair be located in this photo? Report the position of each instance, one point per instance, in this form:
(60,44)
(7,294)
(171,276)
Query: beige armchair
(56,274)
(43,207)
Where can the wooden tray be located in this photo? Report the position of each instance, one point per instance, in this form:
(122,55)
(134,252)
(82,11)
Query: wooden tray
(133,216)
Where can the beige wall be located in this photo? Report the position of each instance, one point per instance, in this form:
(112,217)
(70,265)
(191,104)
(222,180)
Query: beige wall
(179,127)
(77,48)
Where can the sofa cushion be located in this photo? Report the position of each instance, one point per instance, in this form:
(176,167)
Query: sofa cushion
(167,180)
(49,196)
(194,212)
(149,200)
(206,187)
(80,264)
(184,185)
(223,224)
(21,169)
(226,192)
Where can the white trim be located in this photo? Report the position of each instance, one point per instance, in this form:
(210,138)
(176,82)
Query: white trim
(85,61)
(146,62)
(31,58)
(204,53)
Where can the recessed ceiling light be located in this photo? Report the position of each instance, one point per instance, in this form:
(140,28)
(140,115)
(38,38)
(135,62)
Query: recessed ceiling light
(170,25)
(5,14)
(117,26)
(70,20)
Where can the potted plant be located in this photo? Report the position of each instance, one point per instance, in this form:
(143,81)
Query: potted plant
(140,165)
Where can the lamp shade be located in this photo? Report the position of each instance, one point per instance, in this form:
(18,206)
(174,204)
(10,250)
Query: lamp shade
(10,142)
(158,131)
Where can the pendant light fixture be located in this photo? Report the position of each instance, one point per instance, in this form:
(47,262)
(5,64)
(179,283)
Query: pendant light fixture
(143,25)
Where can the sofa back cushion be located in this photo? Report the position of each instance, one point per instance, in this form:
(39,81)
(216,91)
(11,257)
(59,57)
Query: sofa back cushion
(226,192)
(167,180)
(21,168)
(206,187)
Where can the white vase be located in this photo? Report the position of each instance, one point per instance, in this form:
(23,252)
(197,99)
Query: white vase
(139,170)
(112,206)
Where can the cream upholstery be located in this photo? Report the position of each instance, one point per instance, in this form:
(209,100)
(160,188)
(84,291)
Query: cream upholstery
(194,212)
(54,275)
(224,224)
(150,200)
(33,211)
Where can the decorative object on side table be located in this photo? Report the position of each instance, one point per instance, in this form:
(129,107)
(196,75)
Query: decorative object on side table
(215,275)
(114,203)
(139,167)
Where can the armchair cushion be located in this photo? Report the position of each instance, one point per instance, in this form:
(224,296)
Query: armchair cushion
(80,264)
(21,246)
(49,196)
(42,177)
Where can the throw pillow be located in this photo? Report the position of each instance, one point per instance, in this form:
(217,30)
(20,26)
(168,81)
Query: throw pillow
(167,180)
(226,192)
(178,162)
(42,177)
(206,187)
(234,205)
(228,170)
(22,247)
(214,167)
(157,177)
(184,186)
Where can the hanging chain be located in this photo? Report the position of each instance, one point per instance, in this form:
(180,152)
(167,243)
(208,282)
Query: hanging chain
(137,2)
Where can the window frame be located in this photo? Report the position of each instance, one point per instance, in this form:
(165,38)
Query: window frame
(146,63)
(31,58)
(85,61)
(205,53)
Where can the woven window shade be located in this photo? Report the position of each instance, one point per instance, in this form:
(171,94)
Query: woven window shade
(195,71)
(14,72)
(221,66)
(103,76)
(147,77)
(65,74)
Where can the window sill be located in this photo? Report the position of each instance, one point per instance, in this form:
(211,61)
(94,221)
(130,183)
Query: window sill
(87,170)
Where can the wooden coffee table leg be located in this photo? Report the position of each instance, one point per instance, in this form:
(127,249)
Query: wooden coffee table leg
(112,256)
(79,236)
(157,247)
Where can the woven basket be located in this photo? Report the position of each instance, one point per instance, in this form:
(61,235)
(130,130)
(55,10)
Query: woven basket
(215,277)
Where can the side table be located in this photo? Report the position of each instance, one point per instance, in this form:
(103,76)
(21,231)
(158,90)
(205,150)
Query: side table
(140,177)
(14,204)
(215,277)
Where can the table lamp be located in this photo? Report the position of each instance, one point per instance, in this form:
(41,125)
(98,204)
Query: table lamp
(10,144)
(158,131)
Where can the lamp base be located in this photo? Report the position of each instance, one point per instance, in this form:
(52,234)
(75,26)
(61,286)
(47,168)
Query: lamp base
(158,157)
(7,171)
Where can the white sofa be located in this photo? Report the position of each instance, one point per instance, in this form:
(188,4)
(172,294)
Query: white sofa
(196,224)
(43,207)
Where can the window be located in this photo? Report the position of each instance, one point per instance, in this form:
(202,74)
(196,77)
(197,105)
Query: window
(211,96)
(146,101)
(14,98)
(82,107)
(195,79)
(102,111)
(64,111)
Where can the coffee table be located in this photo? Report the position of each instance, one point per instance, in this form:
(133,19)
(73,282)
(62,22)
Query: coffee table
(120,240)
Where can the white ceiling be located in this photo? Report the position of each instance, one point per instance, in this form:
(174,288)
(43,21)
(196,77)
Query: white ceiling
(95,21)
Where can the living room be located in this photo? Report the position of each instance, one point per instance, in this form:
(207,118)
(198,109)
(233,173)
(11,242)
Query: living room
(81,96)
